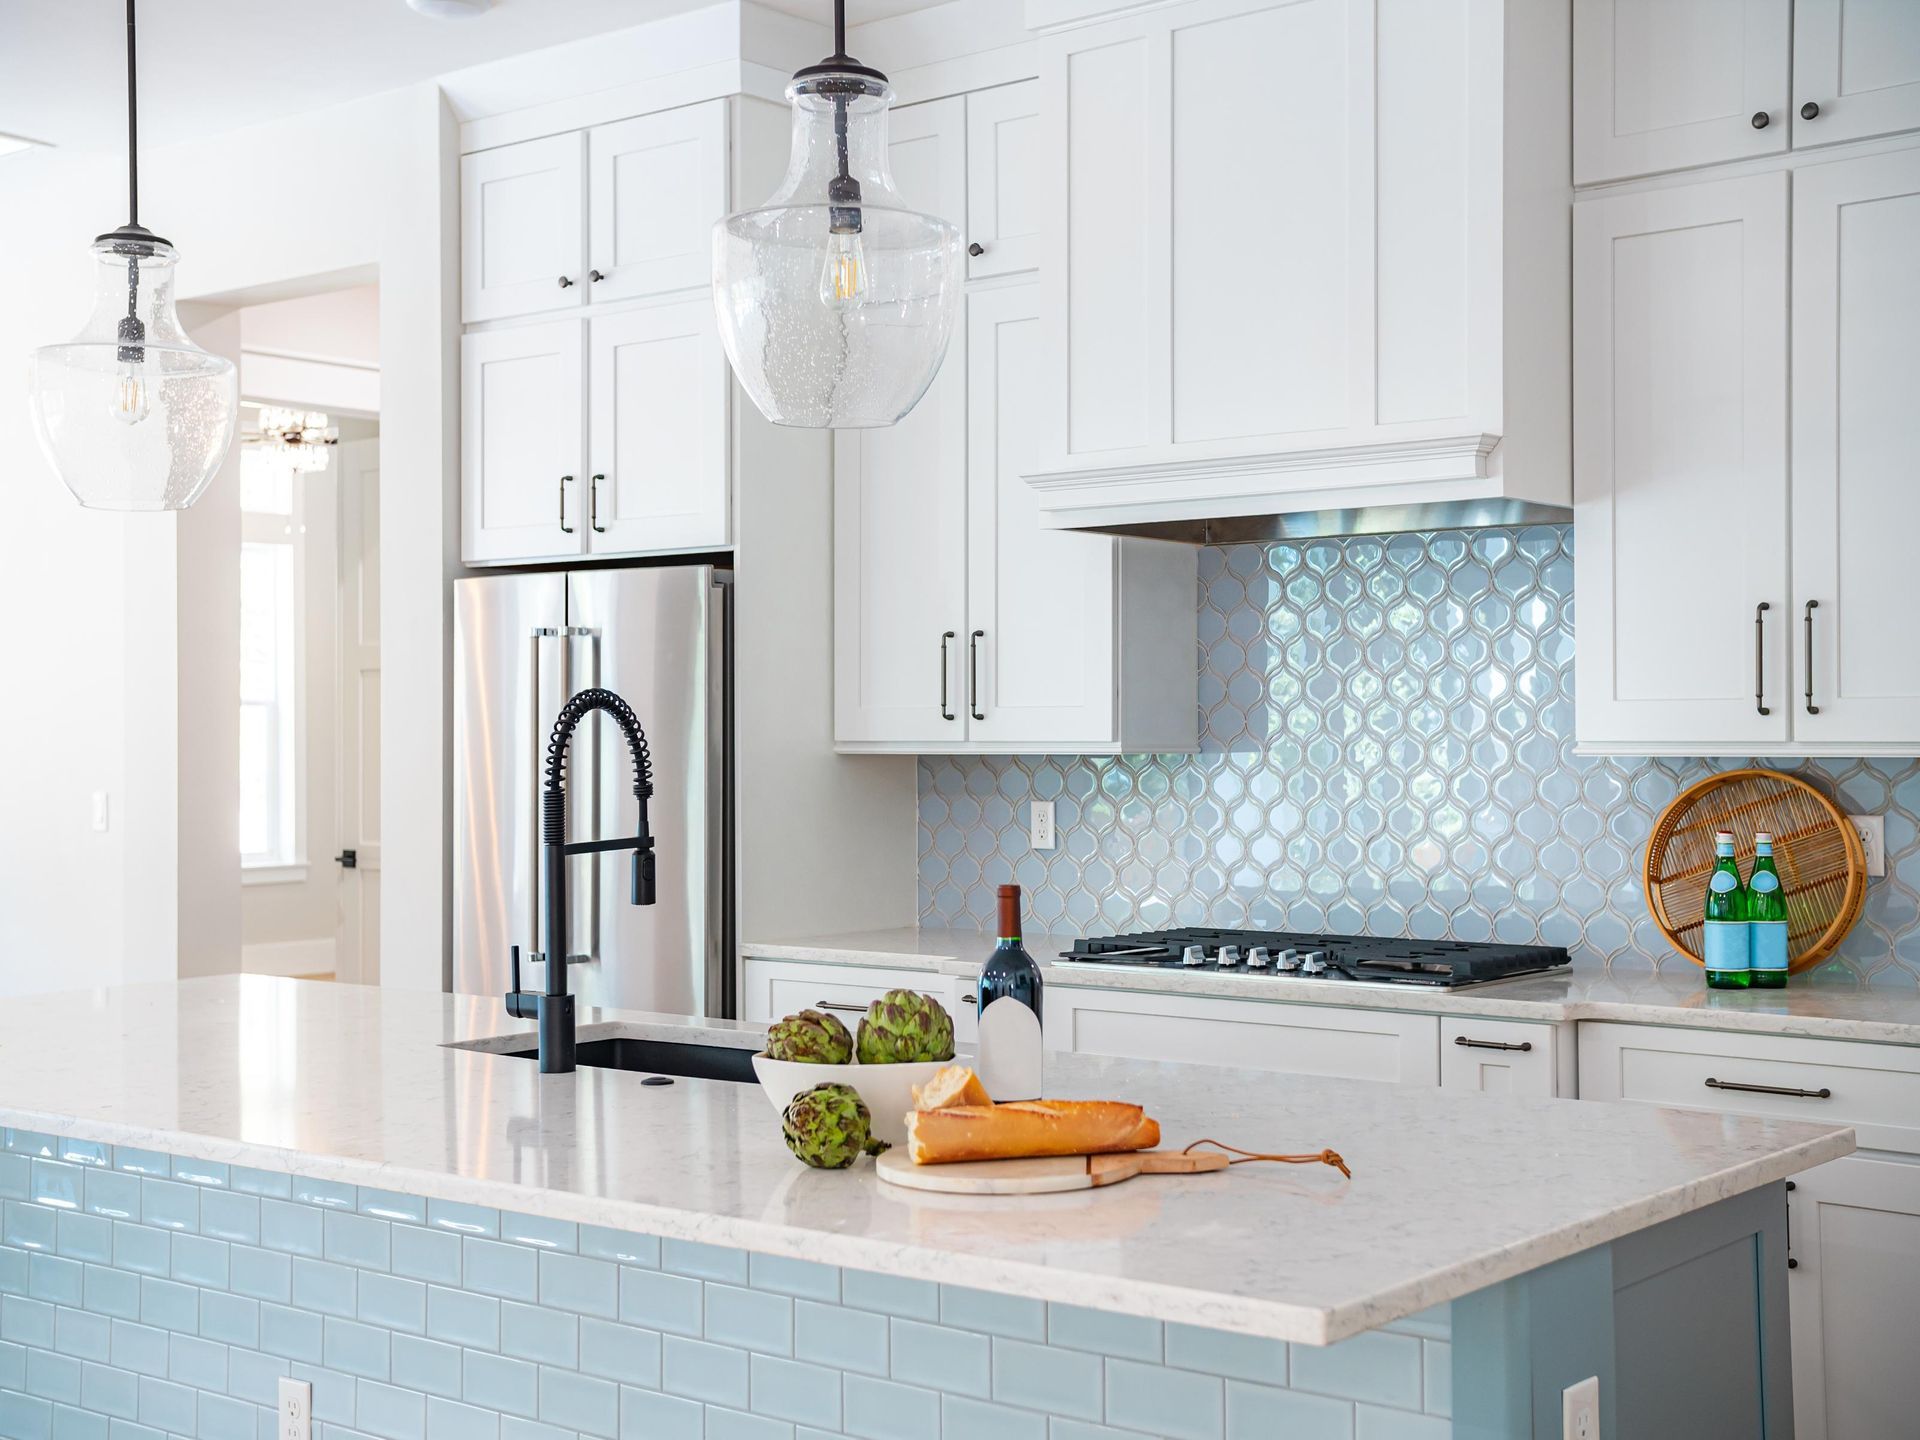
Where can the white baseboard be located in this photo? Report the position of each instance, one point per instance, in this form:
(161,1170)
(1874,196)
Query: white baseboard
(289,957)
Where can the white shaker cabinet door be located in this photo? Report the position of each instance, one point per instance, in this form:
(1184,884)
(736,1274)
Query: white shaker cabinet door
(1660,85)
(1003,179)
(523,228)
(1680,466)
(1856,450)
(1856,67)
(521,415)
(656,185)
(659,381)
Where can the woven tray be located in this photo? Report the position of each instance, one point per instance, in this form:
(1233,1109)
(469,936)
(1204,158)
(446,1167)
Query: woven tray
(1823,868)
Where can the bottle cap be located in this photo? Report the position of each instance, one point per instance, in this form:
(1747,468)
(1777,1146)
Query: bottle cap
(1723,837)
(1009,912)
(1762,837)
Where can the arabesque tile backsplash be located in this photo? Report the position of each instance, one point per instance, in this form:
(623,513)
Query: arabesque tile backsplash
(1386,746)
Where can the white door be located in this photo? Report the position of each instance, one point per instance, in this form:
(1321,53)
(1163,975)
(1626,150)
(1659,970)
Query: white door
(1680,466)
(357,943)
(1854,1289)
(1040,603)
(658,382)
(1856,449)
(900,508)
(1660,85)
(522,494)
(1856,66)
(522,228)
(1003,179)
(656,185)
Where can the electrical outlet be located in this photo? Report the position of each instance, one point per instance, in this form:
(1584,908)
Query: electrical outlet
(1873,837)
(296,1410)
(1580,1410)
(1040,824)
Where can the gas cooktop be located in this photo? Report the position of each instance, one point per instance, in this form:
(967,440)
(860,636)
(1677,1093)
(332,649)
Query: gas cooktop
(1341,959)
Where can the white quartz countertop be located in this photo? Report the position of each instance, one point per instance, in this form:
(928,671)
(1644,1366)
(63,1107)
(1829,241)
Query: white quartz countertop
(1451,1192)
(1835,1009)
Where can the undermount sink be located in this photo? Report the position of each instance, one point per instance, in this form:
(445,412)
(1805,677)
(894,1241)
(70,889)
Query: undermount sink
(659,1057)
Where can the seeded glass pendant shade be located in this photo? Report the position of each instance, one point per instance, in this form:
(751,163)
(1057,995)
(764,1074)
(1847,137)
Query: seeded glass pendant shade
(835,299)
(131,413)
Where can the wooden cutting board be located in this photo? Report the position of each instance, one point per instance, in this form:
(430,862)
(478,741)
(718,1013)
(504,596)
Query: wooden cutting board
(1040,1176)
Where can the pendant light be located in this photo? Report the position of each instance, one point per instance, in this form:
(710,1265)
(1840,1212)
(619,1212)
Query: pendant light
(131,413)
(835,298)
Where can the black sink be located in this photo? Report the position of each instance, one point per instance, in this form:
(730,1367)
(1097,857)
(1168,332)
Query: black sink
(660,1057)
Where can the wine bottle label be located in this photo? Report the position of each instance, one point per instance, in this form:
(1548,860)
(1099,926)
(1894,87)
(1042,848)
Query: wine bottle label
(1768,943)
(1011,1051)
(1726,945)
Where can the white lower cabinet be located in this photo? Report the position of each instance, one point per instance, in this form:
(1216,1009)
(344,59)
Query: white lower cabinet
(1507,1057)
(773,989)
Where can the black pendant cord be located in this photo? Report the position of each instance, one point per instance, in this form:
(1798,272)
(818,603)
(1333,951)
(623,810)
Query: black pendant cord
(133,130)
(839,28)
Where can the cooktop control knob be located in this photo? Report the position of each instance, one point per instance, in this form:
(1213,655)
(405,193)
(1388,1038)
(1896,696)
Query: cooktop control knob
(1288,959)
(1314,963)
(1194,955)
(1229,956)
(1258,958)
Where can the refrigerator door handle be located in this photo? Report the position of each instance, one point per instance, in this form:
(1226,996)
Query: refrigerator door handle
(535,738)
(583,796)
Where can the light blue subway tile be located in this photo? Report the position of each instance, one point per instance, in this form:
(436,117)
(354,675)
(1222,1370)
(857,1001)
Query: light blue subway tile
(497,1382)
(200,1172)
(112,1292)
(738,1425)
(844,1339)
(325,1194)
(390,1413)
(82,1334)
(601,1243)
(1062,1382)
(25,1416)
(704,1262)
(200,1261)
(942,1359)
(112,1194)
(573,1282)
(199,1363)
(139,1348)
(391,1205)
(539,1335)
(53,1377)
(749,1319)
(493,1267)
(891,1294)
(321,1285)
(269,1183)
(1433,1323)
(141,1248)
(142,1162)
(431,1255)
(169,1205)
(83,1152)
(261,1274)
(333,1393)
(1372,1423)
(1436,1396)
(84,1237)
(882,1410)
(540,1232)
(802,1279)
(255,1378)
(14,1270)
(57,1184)
(292,1228)
(463,1219)
(225,1215)
(1261,1412)
(55,1279)
(169,1305)
(1381,1368)
(25,1321)
(792,1390)
(701,1371)
(512,1427)
(660,1301)
(127,1430)
(463,1319)
(357,1349)
(1014,1316)
(109,1390)
(426,1365)
(645,1415)
(1128,1336)
(167,1406)
(29,1142)
(230,1319)
(358,1240)
(224,1418)
(29,1227)
(620,1352)
(579,1402)
(393,1303)
(13,1366)
(72,1424)
(1246,1357)
(449,1420)
(964,1418)
(16,1176)
(1175,1403)
(290,1334)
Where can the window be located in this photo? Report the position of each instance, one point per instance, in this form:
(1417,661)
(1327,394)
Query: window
(272,625)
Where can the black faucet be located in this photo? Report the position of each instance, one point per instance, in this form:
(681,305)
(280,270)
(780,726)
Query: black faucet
(553,1008)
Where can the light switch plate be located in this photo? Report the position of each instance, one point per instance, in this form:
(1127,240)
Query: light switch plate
(1873,836)
(1040,824)
(1580,1410)
(296,1410)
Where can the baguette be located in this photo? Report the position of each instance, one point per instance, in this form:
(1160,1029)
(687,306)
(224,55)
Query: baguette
(955,1085)
(1026,1128)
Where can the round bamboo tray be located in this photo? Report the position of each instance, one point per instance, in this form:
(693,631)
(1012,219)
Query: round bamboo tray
(1823,867)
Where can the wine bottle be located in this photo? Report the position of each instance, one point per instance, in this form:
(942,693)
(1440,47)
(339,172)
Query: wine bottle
(1011,1049)
(1725,945)
(1766,919)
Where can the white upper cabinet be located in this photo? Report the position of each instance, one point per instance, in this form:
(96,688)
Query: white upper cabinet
(1856,436)
(521,412)
(1304,255)
(657,184)
(523,228)
(1661,86)
(1003,180)
(1856,69)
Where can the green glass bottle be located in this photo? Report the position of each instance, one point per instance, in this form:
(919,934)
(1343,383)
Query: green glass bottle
(1726,947)
(1766,919)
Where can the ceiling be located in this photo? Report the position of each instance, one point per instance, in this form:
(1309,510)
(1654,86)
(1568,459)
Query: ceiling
(212,65)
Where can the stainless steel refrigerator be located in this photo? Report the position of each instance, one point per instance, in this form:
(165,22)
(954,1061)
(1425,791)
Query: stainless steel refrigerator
(660,638)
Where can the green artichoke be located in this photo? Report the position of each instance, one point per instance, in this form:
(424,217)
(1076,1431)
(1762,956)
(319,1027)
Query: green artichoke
(829,1127)
(811,1038)
(901,1027)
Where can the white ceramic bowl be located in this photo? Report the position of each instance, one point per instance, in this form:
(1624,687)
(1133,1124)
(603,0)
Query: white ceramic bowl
(887,1089)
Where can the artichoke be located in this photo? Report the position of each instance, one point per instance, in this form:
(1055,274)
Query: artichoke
(829,1127)
(901,1027)
(811,1038)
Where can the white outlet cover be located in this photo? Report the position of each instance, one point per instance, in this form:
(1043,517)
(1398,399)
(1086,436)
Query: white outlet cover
(1873,836)
(295,1410)
(1580,1410)
(1040,824)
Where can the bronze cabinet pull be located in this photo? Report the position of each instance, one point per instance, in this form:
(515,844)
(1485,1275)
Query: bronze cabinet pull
(1760,657)
(973,674)
(1492,1044)
(836,1005)
(946,712)
(565,480)
(1823,1093)
(1812,605)
(593,504)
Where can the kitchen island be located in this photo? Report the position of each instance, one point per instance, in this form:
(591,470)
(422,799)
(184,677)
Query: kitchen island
(231,1179)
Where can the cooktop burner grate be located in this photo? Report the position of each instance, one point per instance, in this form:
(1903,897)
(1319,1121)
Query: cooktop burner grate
(1441,964)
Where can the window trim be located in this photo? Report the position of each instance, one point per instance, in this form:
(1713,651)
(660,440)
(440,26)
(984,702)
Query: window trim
(266,528)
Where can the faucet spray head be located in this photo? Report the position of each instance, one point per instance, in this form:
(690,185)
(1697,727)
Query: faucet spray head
(645,881)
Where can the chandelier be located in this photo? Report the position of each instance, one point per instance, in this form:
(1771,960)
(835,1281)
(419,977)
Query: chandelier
(298,439)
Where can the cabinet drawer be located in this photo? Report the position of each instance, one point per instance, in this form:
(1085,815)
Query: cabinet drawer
(1505,1057)
(1874,1088)
(778,988)
(1250,1034)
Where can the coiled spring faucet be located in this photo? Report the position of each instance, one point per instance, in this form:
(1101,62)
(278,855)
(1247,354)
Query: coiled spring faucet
(553,1007)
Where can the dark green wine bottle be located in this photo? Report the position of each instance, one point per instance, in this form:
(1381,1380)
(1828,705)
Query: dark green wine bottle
(1725,946)
(1766,919)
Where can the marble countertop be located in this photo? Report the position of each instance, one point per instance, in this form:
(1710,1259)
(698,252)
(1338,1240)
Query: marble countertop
(1451,1191)
(1674,996)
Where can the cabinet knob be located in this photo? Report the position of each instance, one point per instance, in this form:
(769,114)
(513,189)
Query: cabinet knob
(595,276)
(976,249)
(1761,119)
(566,282)
(1809,111)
